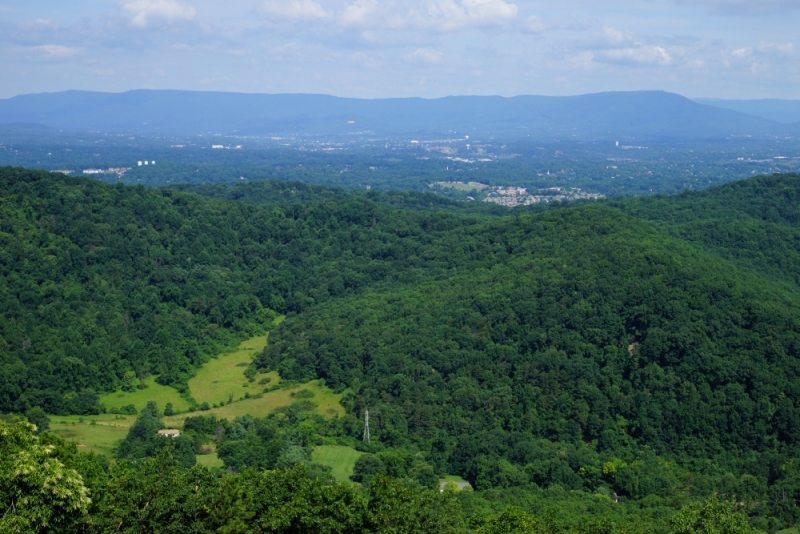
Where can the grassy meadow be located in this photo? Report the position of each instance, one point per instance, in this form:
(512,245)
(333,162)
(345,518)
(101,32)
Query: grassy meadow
(208,460)
(340,459)
(461,186)
(139,397)
(216,382)
(222,379)
(95,433)
(326,400)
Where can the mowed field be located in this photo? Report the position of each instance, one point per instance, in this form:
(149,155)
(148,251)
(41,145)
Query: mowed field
(95,433)
(326,400)
(209,460)
(222,379)
(215,383)
(139,397)
(340,459)
(461,186)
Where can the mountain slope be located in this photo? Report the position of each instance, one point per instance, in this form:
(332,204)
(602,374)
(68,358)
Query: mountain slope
(785,111)
(619,115)
(754,222)
(564,356)
(575,325)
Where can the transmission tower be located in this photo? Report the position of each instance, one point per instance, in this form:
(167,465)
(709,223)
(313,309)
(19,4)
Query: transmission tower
(366,426)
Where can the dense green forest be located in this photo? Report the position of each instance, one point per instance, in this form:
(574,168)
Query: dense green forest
(613,361)
(47,485)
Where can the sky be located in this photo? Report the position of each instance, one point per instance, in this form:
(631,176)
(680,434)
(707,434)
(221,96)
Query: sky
(399,48)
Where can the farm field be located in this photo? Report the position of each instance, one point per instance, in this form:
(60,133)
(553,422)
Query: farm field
(340,459)
(326,400)
(100,437)
(222,378)
(461,186)
(139,397)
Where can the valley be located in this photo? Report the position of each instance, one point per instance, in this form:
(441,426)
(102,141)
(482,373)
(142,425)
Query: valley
(619,359)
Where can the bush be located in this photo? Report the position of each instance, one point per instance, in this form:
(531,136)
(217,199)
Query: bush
(366,466)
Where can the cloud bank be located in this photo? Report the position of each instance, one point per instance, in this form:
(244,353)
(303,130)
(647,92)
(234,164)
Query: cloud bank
(374,48)
(144,12)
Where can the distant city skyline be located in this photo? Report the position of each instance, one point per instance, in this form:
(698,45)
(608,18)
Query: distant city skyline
(735,49)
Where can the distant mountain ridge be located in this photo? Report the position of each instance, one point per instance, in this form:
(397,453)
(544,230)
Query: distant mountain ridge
(614,115)
(784,111)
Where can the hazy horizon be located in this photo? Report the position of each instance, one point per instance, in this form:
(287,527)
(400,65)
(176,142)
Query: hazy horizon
(728,49)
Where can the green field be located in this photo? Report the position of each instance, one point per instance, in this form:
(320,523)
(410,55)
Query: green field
(326,400)
(222,379)
(100,437)
(216,382)
(340,459)
(461,186)
(139,397)
(208,460)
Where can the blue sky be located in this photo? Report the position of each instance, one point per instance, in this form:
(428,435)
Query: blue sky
(386,48)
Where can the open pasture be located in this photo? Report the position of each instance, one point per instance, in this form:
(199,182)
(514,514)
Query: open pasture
(326,400)
(222,378)
(340,459)
(209,460)
(93,433)
(139,397)
(461,186)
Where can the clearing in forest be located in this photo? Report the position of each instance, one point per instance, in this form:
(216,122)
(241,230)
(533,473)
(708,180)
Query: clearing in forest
(209,460)
(222,378)
(93,433)
(217,382)
(455,479)
(340,459)
(461,186)
(325,400)
(139,397)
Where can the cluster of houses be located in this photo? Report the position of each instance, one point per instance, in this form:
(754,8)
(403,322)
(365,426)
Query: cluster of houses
(519,196)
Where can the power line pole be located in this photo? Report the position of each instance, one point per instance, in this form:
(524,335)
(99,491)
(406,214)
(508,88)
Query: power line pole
(366,426)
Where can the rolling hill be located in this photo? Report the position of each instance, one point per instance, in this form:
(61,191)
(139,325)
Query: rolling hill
(647,349)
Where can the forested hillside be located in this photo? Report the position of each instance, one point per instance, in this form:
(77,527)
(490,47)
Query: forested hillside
(644,352)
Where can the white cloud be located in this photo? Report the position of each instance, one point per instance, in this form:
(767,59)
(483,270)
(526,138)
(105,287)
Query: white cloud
(758,58)
(295,9)
(609,37)
(425,55)
(489,11)
(534,24)
(51,51)
(450,14)
(365,60)
(645,55)
(612,45)
(357,12)
(143,12)
(746,7)
(777,49)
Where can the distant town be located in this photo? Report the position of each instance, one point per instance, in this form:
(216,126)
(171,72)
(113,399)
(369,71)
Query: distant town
(515,196)
(519,196)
